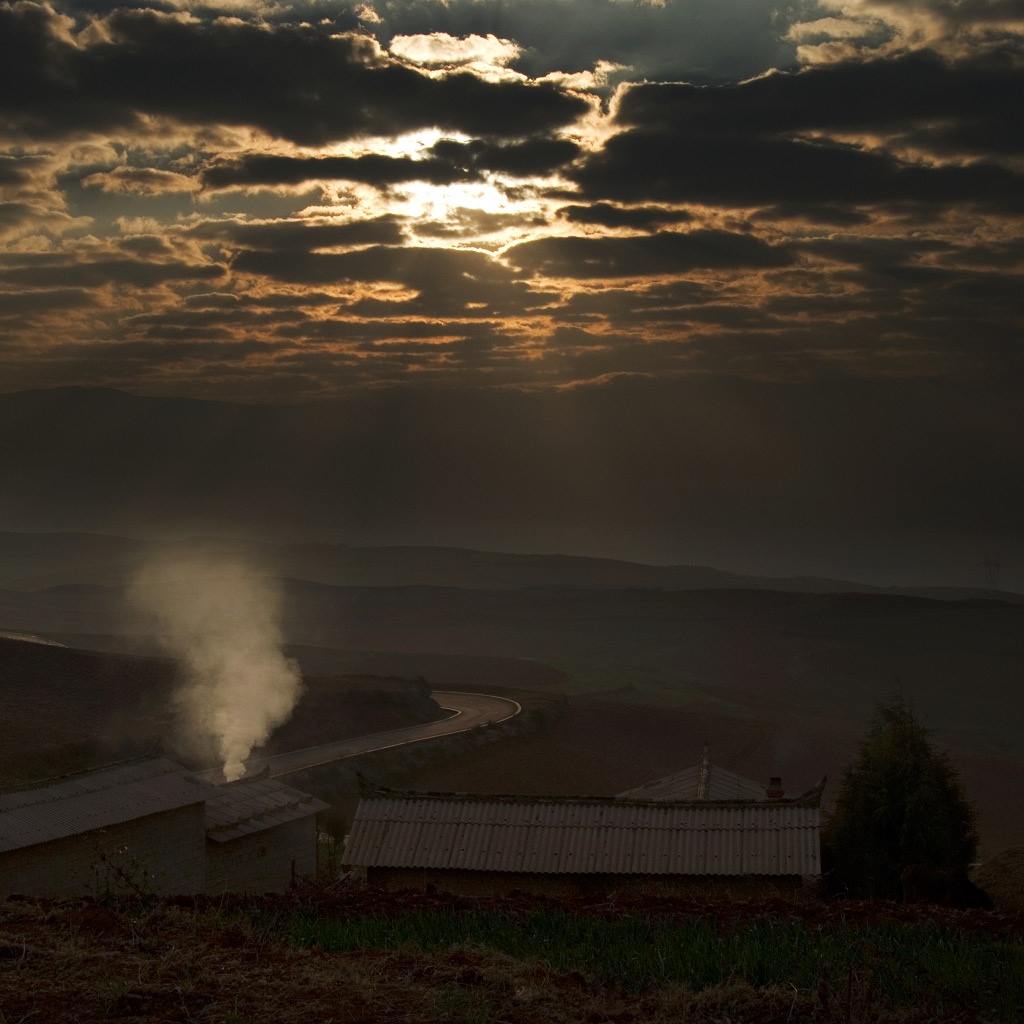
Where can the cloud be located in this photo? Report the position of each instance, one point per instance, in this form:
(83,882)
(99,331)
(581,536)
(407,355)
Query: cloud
(880,27)
(533,157)
(294,82)
(610,216)
(143,181)
(665,252)
(442,282)
(255,169)
(274,199)
(442,48)
(813,213)
(48,271)
(709,38)
(303,234)
(19,303)
(784,138)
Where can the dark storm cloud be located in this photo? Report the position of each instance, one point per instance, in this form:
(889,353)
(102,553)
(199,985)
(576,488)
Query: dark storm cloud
(750,143)
(382,330)
(19,303)
(448,282)
(623,217)
(627,302)
(534,157)
(16,170)
(299,83)
(889,92)
(674,166)
(49,272)
(144,246)
(1006,254)
(300,234)
(378,263)
(373,169)
(874,251)
(813,213)
(185,321)
(663,253)
(452,161)
(230,301)
(172,349)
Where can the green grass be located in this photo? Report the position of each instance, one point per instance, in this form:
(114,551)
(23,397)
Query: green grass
(905,965)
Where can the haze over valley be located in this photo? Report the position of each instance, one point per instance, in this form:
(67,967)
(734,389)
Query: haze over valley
(779,676)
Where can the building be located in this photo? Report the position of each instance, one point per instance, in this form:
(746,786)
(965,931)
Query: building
(473,843)
(260,836)
(131,827)
(153,827)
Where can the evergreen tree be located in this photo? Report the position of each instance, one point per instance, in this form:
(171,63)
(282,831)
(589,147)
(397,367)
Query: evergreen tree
(900,802)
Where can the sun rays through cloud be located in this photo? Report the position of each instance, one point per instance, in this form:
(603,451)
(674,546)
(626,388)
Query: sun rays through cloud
(829,189)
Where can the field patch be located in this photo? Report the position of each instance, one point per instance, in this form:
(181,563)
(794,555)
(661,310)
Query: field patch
(351,953)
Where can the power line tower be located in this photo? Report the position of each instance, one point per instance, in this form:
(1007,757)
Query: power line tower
(992,564)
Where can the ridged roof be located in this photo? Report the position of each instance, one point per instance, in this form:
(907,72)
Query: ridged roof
(553,835)
(718,783)
(254,805)
(96,799)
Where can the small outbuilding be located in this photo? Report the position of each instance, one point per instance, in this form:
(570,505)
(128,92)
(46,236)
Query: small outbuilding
(260,836)
(153,827)
(476,843)
(133,827)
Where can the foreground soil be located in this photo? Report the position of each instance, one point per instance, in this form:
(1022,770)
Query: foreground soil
(221,961)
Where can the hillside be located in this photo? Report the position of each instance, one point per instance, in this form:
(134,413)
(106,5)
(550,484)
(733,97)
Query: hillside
(348,954)
(782,683)
(34,561)
(62,709)
(37,561)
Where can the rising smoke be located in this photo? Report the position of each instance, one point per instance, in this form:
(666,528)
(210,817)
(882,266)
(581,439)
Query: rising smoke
(222,619)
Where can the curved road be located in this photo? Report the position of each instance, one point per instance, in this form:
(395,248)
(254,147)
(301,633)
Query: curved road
(469,710)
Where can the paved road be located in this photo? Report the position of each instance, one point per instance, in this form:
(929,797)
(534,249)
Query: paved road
(468,711)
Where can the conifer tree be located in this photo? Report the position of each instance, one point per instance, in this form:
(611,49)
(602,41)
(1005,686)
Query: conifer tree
(900,802)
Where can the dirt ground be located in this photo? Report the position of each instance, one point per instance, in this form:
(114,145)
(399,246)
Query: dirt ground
(187,961)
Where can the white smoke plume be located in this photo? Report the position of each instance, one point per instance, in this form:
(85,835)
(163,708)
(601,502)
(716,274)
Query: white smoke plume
(221,618)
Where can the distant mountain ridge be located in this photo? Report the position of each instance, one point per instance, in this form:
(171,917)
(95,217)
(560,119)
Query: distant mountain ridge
(639,472)
(40,561)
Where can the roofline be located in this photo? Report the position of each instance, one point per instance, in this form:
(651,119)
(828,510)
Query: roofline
(78,773)
(371,791)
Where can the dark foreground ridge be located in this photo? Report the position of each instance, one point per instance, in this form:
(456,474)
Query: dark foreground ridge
(345,952)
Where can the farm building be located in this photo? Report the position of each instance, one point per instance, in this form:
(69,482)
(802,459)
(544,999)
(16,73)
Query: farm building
(260,836)
(472,843)
(153,827)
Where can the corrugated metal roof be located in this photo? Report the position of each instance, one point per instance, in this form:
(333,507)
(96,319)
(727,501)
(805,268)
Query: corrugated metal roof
(684,785)
(254,805)
(96,799)
(586,835)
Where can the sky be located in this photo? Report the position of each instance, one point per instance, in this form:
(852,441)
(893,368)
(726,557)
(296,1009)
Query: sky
(813,208)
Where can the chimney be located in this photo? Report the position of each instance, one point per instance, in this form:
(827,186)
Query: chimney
(775,790)
(704,775)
